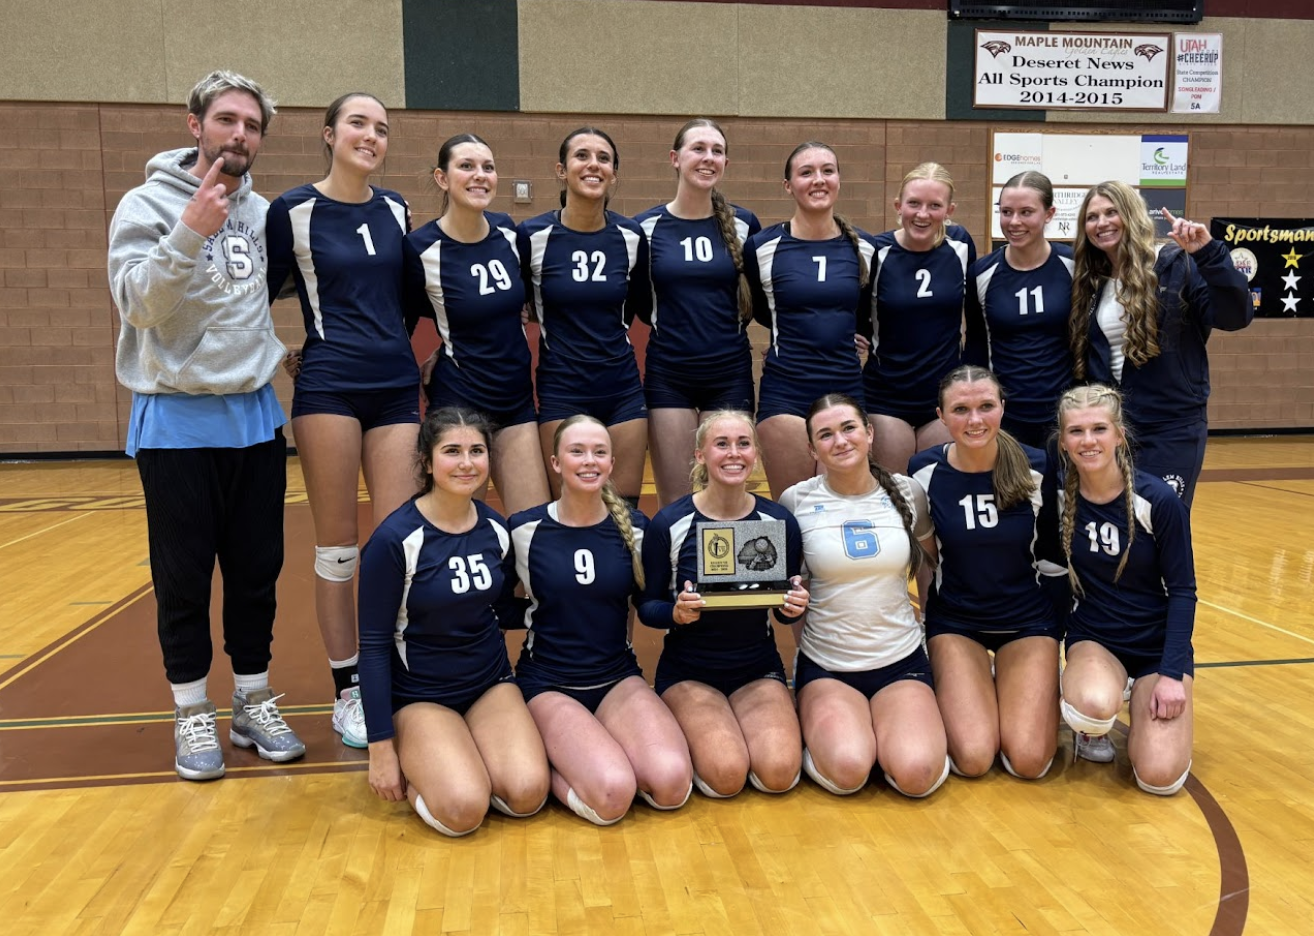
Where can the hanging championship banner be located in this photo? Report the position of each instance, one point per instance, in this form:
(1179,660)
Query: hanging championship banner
(1197,73)
(1072,70)
(1271,253)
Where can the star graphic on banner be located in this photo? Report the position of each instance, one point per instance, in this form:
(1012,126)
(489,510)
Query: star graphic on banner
(1290,281)
(1292,258)
(1289,303)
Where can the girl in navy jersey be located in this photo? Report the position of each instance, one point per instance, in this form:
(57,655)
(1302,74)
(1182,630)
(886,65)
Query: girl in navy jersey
(586,269)
(356,402)
(1128,540)
(720,671)
(466,263)
(698,357)
(918,290)
(809,278)
(1023,294)
(448,728)
(862,678)
(1141,315)
(607,734)
(993,503)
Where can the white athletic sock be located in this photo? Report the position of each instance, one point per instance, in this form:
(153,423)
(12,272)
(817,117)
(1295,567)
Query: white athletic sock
(343,664)
(253,682)
(189,693)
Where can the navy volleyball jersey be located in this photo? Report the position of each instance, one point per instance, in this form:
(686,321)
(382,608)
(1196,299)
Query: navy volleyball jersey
(916,324)
(586,288)
(728,638)
(1150,610)
(1025,318)
(808,295)
(346,260)
(432,605)
(991,561)
(580,584)
(696,328)
(475,296)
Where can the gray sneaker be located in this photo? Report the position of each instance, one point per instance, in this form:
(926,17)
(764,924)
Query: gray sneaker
(196,742)
(256,722)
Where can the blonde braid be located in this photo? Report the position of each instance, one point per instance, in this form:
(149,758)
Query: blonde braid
(1123,457)
(849,231)
(725,220)
(916,555)
(619,509)
(1069,520)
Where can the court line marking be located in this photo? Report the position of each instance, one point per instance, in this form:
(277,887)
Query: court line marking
(1253,620)
(135,718)
(335,767)
(46,530)
(1253,663)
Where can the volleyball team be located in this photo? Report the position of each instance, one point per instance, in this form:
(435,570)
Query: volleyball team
(983,449)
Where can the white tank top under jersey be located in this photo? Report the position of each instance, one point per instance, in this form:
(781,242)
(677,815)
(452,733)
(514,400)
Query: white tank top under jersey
(855,553)
(1112,319)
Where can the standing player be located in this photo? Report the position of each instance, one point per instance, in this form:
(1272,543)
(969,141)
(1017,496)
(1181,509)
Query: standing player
(448,728)
(862,677)
(1024,294)
(607,734)
(356,403)
(467,265)
(1141,316)
(918,291)
(1128,540)
(993,503)
(698,357)
(809,278)
(587,272)
(720,671)
(198,351)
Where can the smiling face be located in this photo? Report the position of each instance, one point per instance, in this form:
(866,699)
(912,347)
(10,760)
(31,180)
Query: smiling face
(840,439)
(1103,223)
(728,451)
(589,170)
(701,157)
(358,138)
(470,178)
(924,206)
(972,411)
(813,179)
(1023,216)
(231,128)
(583,457)
(1090,437)
(459,461)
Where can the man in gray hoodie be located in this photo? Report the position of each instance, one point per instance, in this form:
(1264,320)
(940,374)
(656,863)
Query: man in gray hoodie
(197,349)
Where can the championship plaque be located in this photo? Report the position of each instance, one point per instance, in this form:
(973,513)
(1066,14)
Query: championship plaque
(741,563)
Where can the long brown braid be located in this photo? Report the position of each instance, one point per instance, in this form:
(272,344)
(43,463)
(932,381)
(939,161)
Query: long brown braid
(1111,401)
(916,555)
(846,228)
(617,506)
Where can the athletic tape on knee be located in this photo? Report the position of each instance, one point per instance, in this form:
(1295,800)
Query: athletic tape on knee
(423,812)
(1008,765)
(647,798)
(336,563)
(944,775)
(501,806)
(758,784)
(1095,727)
(706,790)
(585,811)
(1168,790)
(823,781)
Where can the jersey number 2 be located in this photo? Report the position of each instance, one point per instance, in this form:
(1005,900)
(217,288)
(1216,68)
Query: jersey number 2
(468,571)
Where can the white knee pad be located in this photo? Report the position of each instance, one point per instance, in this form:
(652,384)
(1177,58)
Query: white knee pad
(585,811)
(647,798)
(1013,773)
(825,782)
(934,786)
(706,790)
(501,806)
(758,784)
(423,812)
(1168,790)
(1095,727)
(336,563)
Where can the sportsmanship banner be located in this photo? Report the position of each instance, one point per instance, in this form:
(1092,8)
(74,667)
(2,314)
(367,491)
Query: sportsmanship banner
(1072,70)
(1271,253)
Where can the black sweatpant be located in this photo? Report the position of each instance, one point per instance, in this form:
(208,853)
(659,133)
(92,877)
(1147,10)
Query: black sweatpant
(208,503)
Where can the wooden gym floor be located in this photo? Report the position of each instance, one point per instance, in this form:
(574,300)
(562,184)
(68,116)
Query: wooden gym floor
(98,836)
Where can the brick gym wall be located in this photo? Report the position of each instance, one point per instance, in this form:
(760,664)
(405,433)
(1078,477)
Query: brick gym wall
(64,167)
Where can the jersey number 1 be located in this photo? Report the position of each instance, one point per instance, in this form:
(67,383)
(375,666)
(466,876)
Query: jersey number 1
(364,232)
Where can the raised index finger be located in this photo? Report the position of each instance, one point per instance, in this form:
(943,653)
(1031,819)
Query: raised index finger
(1168,215)
(213,173)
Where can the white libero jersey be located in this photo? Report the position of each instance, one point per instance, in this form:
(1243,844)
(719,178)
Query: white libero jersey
(856,555)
